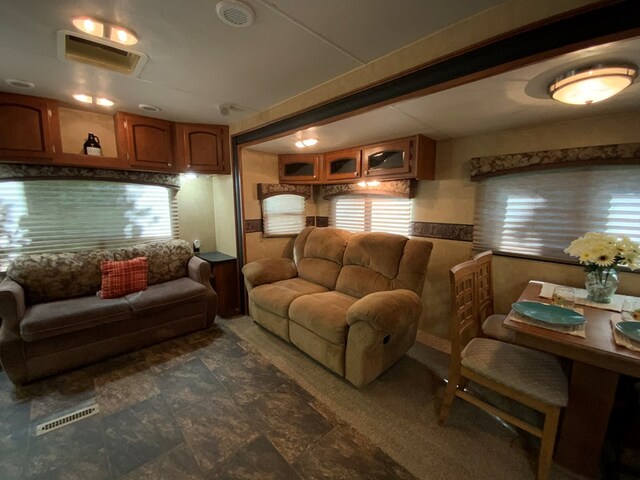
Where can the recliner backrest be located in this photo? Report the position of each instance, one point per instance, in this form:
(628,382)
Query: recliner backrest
(318,254)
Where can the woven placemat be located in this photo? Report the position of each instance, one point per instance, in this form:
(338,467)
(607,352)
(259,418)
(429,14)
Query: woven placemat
(576,330)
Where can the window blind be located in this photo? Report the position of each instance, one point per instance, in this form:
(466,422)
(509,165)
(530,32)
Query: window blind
(371,213)
(539,214)
(283,215)
(45,216)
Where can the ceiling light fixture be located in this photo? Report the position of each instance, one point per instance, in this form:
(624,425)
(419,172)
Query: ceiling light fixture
(81,97)
(84,98)
(104,102)
(592,84)
(149,108)
(98,29)
(307,142)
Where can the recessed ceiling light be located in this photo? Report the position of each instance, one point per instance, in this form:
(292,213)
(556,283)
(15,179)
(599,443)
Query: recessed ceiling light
(19,83)
(89,25)
(235,13)
(149,108)
(593,84)
(123,36)
(104,102)
(309,142)
(81,97)
(299,144)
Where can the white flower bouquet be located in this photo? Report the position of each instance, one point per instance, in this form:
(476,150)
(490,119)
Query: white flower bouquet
(597,250)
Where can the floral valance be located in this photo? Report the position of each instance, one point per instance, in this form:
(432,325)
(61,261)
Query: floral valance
(9,172)
(396,188)
(626,153)
(266,190)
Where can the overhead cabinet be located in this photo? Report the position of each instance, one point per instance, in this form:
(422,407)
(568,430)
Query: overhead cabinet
(29,129)
(404,158)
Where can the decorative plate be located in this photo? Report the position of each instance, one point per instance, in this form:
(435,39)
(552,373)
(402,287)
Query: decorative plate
(552,314)
(629,329)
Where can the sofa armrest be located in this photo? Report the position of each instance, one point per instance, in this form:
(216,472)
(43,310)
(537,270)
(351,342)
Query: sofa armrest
(386,311)
(269,270)
(200,271)
(12,305)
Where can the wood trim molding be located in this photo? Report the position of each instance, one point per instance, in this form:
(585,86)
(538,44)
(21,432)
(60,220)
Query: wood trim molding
(442,231)
(266,190)
(494,165)
(396,188)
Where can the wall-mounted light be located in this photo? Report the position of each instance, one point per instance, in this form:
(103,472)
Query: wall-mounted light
(372,183)
(97,28)
(592,84)
(307,142)
(84,98)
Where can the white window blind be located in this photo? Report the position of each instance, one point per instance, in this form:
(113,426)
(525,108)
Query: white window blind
(539,214)
(371,213)
(45,216)
(283,215)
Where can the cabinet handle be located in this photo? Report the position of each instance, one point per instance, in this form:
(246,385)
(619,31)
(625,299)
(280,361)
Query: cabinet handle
(315,176)
(366,172)
(169,164)
(189,165)
(355,174)
(49,112)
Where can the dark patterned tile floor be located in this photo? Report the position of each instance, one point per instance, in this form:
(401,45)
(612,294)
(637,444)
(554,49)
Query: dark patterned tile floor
(200,407)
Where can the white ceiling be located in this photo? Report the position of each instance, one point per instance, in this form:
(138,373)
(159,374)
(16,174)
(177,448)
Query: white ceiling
(513,99)
(196,62)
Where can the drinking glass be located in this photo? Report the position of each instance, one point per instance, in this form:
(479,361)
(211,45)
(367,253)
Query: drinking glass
(631,307)
(564,297)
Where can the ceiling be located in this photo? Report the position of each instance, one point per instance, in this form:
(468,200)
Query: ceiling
(510,100)
(197,63)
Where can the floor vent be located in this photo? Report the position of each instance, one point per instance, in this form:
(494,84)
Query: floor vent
(67,419)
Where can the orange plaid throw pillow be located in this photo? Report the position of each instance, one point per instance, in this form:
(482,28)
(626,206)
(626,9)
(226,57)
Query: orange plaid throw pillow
(121,278)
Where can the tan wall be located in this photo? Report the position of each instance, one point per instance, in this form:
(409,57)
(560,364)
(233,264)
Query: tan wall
(224,209)
(450,199)
(503,18)
(260,167)
(196,212)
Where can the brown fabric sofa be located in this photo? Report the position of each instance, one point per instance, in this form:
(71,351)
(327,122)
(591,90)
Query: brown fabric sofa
(350,301)
(53,321)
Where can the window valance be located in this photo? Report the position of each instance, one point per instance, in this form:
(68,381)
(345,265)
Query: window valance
(266,190)
(12,172)
(621,154)
(396,188)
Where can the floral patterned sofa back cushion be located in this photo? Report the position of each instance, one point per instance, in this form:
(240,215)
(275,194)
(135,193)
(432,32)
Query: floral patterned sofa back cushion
(57,276)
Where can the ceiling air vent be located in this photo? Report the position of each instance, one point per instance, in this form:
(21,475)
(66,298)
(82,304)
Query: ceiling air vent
(99,53)
(236,14)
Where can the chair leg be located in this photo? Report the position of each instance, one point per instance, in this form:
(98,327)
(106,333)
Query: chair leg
(447,399)
(547,442)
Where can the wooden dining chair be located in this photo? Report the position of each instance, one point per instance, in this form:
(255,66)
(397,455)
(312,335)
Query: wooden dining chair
(528,376)
(489,322)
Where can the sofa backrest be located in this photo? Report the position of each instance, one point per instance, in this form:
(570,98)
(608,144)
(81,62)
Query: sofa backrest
(56,276)
(375,262)
(318,254)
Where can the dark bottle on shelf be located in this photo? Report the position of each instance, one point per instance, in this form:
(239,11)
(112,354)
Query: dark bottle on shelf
(92,145)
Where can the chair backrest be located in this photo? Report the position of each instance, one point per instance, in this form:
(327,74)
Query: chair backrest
(464,307)
(484,285)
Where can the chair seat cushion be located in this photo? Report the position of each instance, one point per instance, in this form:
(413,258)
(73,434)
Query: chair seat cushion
(46,320)
(325,314)
(165,295)
(531,372)
(277,297)
(493,327)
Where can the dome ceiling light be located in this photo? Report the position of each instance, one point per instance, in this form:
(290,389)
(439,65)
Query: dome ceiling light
(592,84)
(111,32)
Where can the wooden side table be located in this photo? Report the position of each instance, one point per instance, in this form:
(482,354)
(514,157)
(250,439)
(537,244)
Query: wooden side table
(224,280)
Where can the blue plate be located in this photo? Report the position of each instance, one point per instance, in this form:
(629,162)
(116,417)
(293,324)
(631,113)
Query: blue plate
(552,314)
(629,329)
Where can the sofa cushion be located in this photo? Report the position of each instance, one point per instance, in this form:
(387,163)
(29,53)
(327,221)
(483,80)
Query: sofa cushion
(47,277)
(46,320)
(318,254)
(277,297)
(166,260)
(166,295)
(325,314)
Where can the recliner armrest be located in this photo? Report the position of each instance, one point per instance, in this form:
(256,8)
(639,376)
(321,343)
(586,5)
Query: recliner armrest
(269,270)
(386,311)
(12,304)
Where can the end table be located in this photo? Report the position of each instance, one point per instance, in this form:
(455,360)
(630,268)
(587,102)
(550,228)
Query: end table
(224,280)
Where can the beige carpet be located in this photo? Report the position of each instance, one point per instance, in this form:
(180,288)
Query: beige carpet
(397,413)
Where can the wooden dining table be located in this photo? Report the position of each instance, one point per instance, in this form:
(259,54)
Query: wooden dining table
(597,363)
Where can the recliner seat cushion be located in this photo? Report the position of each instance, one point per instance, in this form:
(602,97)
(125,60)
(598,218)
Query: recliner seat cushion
(324,314)
(46,320)
(277,297)
(166,295)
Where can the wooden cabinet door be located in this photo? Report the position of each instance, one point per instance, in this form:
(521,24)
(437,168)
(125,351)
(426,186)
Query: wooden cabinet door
(344,165)
(391,158)
(146,143)
(203,148)
(29,129)
(304,168)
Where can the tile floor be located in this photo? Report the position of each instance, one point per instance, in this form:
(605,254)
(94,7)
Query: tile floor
(198,407)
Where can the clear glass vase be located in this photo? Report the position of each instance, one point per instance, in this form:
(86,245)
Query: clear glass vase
(601,284)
